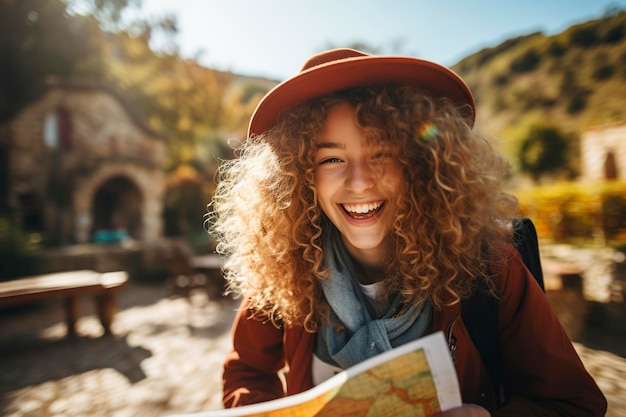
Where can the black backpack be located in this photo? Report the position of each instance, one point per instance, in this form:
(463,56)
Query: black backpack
(480,312)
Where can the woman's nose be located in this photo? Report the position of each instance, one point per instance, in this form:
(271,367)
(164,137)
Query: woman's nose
(360,176)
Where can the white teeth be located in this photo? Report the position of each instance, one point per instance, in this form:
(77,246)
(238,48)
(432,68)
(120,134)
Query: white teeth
(362,208)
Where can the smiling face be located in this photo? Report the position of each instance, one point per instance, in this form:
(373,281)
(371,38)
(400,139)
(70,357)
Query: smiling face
(354,180)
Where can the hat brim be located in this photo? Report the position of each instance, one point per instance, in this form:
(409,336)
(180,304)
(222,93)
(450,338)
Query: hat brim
(320,80)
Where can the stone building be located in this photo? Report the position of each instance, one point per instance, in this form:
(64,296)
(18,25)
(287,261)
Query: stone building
(77,165)
(603,152)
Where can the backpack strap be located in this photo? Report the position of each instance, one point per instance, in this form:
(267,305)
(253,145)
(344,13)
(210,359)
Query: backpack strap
(480,311)
(527,244)
(480,315)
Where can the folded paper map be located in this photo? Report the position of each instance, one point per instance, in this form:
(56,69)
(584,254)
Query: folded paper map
(415,379)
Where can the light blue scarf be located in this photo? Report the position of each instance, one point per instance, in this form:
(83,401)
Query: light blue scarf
(364,335)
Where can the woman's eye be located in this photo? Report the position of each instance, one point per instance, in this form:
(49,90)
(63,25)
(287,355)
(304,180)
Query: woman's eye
(329,161)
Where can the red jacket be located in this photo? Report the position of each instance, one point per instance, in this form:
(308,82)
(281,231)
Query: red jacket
(543,373)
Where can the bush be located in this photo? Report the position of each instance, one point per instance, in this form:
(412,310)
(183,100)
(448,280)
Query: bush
(556,49)
(613,34)
(19,252)
(602,72)
(577,100)
(603,68)
(584,36)
(500,80)
(528,61)
(185,203)
(578,213)
(543,150)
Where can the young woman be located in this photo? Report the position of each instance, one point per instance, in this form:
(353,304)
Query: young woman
(360,213)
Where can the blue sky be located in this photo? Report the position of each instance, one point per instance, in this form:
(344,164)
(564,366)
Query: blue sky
(272,38)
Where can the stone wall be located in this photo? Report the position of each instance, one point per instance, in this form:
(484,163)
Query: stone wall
(104,142)
(603,153)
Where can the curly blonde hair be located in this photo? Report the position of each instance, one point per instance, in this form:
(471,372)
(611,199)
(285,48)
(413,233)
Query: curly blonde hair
(450,216)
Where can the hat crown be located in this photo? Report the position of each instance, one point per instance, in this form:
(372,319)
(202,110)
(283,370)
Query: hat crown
(342,68)
(331,56)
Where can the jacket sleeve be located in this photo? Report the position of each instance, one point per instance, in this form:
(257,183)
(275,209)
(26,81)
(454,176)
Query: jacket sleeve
(251,368)
(542,373)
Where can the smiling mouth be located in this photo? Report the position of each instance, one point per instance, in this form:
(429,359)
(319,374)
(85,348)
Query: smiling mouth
(363,211)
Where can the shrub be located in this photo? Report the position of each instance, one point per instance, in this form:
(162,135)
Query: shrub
(578,213)
(613,34)
(500,80)
(556,49)
(603,68)
(528,61)
(583,36)
(577,100)
(543,150)
(602,72)
(19,252)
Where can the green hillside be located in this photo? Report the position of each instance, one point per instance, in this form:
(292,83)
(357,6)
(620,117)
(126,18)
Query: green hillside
(575,80)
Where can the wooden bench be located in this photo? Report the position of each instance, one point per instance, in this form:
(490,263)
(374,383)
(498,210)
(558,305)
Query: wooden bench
(67,286)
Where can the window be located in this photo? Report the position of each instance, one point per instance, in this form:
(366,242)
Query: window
(57,129)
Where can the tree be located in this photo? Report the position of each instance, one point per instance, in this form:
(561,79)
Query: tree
(39,39)
(543,150)
(96,41)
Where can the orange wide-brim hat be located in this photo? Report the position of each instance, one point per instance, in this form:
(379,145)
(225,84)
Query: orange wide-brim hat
(338,69)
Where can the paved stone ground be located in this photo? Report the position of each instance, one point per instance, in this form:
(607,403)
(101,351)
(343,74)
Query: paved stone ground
(165,358)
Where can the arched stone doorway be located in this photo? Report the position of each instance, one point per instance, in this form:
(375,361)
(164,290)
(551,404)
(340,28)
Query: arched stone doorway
(117,193)
(117,209)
